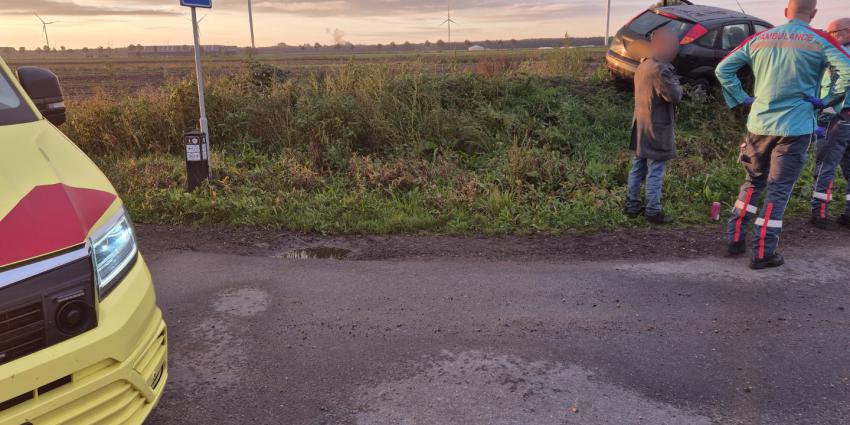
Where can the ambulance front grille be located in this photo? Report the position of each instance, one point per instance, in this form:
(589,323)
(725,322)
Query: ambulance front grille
(32,297)
(21,331)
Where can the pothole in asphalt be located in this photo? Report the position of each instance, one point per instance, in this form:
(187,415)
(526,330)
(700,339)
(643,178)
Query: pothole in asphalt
(318,253)
(476,388)
(244,302)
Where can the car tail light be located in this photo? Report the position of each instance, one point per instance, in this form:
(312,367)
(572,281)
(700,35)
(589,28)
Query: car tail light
(618,47)
(694,34)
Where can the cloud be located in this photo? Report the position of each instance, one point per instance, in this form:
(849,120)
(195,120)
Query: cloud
(484,9)
(70,8)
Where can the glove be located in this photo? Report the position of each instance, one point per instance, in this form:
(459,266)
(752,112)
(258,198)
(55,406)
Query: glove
(816,102)
(821,132)
(748,101)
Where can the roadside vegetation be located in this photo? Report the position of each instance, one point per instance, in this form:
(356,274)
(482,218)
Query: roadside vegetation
(507,145)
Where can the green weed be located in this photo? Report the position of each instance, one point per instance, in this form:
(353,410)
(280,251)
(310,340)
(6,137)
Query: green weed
(513,145)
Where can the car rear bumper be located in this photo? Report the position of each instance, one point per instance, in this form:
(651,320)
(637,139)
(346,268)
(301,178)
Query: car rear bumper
(113,374)
(621,66)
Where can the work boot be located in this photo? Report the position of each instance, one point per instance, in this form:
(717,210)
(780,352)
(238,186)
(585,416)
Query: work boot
(634,214)
(770,262)
(820,223)
(844,220)
(737,248)
(659,218)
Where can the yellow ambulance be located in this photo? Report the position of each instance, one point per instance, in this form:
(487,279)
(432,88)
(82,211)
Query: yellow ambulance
(82,340)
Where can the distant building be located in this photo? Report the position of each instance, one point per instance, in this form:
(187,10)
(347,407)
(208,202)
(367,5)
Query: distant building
(184,50)
(544,48)
(477,48)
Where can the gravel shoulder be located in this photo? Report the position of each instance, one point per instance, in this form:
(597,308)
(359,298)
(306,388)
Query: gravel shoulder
(627,244)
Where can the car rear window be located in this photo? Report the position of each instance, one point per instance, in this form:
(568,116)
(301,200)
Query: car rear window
(650,21)
(13,109)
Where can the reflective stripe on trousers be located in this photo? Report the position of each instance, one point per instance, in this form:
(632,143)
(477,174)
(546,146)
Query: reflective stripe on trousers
(773,165)
(831,152)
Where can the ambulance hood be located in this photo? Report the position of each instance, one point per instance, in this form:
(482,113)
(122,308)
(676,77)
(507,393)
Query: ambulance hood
(51,194)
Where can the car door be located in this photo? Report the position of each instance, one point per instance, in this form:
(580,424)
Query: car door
(731,36)
(697,59)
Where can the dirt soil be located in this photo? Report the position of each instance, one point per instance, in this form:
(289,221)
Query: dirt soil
(627,244)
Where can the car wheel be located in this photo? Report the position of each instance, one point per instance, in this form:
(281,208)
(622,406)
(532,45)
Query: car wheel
(699,89)
(621,83)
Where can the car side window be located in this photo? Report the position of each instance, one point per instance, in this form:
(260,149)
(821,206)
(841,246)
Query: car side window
(760,27)
(709,40)
(734,35)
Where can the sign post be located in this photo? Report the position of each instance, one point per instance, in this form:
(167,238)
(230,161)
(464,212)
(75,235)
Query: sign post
(194,4)
(197,155)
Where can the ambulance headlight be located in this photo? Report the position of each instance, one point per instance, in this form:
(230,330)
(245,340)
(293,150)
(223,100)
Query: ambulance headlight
(114,252)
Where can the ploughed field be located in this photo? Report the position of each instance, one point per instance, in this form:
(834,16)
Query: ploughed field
(84,76)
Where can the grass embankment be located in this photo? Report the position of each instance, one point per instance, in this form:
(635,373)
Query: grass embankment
(517,146)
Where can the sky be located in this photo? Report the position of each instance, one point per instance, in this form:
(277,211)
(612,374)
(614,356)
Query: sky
(118,23)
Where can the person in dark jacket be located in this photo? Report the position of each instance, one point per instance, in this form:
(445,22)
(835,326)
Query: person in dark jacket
(653,140)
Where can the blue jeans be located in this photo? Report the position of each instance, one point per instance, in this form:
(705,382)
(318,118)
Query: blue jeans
(831,151)
(651,172)
(773,165)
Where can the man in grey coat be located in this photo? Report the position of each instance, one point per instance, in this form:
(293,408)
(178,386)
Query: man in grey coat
(653,141)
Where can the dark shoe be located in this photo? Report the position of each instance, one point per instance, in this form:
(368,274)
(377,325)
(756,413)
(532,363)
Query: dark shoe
(774,260)
(737,248)
(820,223)
(634,214)
(843,220)
(659,218)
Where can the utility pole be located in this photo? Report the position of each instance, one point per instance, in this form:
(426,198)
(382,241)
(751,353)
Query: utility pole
(608,24)
(251,23)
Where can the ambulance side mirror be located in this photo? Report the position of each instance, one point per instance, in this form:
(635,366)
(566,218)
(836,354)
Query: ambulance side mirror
(43,88)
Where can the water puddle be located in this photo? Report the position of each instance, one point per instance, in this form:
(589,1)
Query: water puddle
(318,252)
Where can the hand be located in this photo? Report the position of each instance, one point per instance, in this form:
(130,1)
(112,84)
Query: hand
(816,102)
(748,101)
(821,132)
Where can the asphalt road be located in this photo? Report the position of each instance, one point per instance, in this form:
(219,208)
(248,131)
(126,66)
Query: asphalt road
(264,340)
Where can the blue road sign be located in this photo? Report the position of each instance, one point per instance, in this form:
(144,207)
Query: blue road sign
(197,3)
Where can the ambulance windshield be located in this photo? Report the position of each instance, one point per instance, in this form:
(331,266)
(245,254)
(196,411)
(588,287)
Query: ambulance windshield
(13,109)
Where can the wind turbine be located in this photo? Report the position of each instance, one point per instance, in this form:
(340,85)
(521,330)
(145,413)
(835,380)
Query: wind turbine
(199,23)
(44,28)
(449,22)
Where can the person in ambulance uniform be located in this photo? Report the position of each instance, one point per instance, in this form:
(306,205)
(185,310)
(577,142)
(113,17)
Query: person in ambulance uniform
(788,63)
(832,149)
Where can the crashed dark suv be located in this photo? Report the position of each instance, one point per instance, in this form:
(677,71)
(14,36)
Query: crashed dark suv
(707,35)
